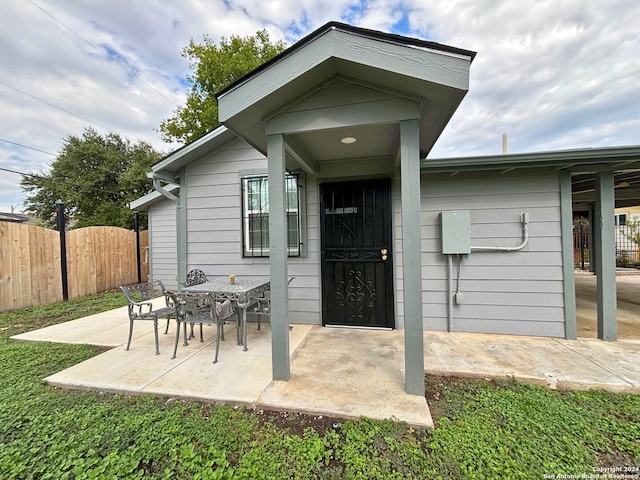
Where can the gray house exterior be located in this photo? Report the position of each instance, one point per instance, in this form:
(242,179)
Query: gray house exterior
(319,172)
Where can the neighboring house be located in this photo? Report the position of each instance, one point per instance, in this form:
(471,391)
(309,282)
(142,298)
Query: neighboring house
(14,217)
(376,235)
(627,221)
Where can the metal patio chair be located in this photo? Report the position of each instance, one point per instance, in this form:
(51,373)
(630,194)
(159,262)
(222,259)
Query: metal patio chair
(199,308)
(140,306)
(194,277)
(262,306)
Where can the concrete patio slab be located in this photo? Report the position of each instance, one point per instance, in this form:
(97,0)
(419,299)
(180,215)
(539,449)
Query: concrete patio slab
(139,370)
(346,373)
(620,359)
(102,329)
(565,364)
(349,373)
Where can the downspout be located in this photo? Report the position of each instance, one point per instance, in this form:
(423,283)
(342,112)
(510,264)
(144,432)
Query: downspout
(164,191)
(181,222)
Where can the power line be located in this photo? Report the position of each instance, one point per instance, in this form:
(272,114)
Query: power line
(55,106)
(126,69)
(40,177)
(26,146)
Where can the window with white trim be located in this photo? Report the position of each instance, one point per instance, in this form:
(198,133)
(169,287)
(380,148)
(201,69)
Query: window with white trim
(620,219)
(255,216)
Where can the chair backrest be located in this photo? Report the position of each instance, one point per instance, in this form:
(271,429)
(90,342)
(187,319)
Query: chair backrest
(195,277)
(194,307)
(144,292)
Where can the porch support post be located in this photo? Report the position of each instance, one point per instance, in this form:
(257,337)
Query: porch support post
(569,283)
(181,228)
(278,258)
(606,259)
(412,257)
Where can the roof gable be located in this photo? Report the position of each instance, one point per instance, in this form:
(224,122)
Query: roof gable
(437,75)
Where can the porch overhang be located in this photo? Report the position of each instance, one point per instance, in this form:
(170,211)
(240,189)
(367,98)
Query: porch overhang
(343,94)
(427,81)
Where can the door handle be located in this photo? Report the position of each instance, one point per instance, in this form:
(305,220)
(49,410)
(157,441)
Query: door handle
(383,252)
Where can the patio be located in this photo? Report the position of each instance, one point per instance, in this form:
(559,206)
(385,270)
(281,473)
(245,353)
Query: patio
(339,372)
(326,368)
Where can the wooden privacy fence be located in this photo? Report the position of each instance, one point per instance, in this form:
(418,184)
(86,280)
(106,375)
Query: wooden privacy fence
(98,259)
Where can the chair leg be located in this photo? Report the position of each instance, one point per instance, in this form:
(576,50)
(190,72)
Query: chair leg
(218,332)
(201,337)
(175,345)
(166,330)
(155,332)
(130,334)
(184,326)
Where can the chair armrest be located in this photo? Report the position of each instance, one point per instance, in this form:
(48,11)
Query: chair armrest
(142,305)
(140,310)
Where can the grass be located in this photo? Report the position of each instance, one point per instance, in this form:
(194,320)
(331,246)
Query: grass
(484,429)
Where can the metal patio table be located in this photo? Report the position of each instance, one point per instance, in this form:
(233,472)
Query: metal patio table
(244,292)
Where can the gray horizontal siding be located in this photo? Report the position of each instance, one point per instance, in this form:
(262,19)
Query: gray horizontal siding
(511,327)
(162,243)
(214,228)
(504,292)
(515,292)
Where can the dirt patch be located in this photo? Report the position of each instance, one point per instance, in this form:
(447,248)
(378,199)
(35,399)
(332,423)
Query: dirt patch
(296,423)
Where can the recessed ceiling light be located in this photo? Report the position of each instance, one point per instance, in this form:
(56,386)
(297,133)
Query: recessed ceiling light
(348,140)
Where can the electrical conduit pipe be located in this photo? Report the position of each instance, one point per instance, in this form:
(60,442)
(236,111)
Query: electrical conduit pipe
(524,219)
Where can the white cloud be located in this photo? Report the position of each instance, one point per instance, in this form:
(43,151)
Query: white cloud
(551,74)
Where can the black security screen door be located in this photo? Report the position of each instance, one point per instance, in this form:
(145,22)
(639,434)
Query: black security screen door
(357,271)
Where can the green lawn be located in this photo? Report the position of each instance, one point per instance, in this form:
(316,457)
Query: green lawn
(484,430)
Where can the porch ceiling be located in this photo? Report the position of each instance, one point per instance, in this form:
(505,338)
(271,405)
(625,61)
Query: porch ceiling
(435,77)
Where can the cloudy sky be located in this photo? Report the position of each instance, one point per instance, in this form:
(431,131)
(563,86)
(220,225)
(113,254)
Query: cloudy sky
(551,74)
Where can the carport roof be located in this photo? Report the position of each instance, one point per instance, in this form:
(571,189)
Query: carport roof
(582,160)
(582,163)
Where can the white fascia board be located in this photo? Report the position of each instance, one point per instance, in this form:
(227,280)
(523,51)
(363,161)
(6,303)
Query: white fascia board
(209,141)
(150,198)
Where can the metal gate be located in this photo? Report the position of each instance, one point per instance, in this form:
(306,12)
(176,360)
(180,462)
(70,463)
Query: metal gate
(356,254)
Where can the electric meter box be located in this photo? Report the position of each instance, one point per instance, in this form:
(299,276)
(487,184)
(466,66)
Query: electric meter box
(456,233)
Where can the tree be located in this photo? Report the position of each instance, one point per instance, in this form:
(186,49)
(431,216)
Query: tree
(215,67)
(633,230)
(95,177)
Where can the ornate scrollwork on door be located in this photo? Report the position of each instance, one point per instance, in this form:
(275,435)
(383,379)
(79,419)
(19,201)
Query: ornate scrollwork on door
(356,294)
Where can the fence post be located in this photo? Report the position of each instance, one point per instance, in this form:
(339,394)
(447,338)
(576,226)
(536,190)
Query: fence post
(63,249)
(581,239)
(136,228)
